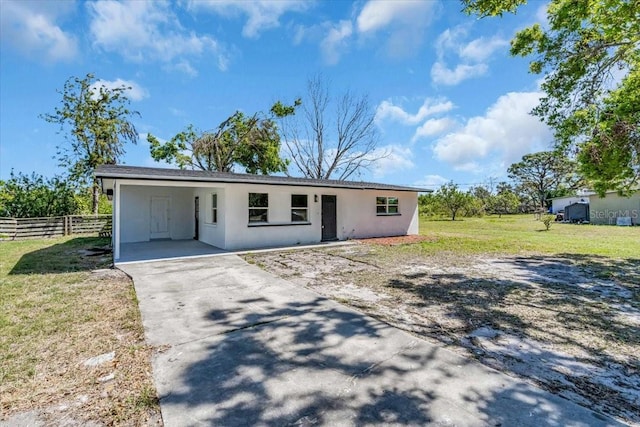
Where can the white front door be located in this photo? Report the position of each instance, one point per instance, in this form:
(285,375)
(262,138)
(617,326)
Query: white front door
(159,218)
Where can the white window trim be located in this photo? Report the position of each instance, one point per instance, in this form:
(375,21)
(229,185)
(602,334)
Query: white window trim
(386,206)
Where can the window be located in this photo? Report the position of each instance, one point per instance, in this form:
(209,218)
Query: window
(387,206)
(214,208)
(299,208)
(258,207)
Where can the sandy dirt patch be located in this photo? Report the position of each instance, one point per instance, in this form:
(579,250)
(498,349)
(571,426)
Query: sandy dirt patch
(552,321)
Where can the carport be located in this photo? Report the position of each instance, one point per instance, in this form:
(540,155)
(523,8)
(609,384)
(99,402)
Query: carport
(165,249)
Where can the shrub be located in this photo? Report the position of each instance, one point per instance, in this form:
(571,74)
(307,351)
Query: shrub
(547,220)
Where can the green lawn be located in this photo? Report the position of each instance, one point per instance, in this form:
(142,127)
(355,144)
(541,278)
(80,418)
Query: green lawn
(522,234)
(59,307)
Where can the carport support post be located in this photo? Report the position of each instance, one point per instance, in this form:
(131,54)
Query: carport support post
(116,221)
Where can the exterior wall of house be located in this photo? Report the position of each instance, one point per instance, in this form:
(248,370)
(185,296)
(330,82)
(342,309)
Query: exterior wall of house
(279,230)
(135,212)
(606,210)
(562,202)
(212,232)
(355,215)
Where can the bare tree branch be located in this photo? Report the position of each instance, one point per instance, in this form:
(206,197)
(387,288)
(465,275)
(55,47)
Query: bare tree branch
(333,139)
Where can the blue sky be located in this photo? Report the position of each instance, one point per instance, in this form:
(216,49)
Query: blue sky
(451,104)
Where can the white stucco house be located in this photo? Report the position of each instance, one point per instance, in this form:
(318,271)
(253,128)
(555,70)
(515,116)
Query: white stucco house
(241,211)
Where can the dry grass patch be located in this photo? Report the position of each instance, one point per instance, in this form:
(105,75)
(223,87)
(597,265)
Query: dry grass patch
(60,306)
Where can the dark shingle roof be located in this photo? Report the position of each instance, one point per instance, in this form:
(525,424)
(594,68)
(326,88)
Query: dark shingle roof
(138,172)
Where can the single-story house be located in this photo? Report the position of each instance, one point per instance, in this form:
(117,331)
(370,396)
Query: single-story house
(615,209)
(242,211)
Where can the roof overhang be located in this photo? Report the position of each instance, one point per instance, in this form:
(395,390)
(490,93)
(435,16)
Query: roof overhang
(107,173)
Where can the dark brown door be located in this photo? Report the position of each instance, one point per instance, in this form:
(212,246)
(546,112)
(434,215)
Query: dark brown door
(197,218)
(329,223)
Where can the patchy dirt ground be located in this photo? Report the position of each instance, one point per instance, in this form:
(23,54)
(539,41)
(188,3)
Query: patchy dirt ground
(569,324)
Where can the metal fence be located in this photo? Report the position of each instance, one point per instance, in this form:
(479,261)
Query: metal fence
(27,228)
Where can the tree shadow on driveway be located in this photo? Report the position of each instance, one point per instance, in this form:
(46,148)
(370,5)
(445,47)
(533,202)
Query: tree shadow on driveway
(318,363)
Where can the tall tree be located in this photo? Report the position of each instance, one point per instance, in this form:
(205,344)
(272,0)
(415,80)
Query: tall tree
(252,142)
(453,199)
(334,138)
(97,125)
(543,175)
(590,57)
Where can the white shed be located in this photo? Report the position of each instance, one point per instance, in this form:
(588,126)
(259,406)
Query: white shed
(241,211)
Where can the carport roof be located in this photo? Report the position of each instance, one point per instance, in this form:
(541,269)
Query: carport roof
(162,174)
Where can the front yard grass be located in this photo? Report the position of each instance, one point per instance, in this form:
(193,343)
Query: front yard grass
(60,305)
(522,234)
(559,308)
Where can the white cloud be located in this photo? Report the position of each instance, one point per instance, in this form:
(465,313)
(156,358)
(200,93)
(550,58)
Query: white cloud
(404,22)
(261,15)
(391,158)
(333,38)
(471,57)
(140,31)
(447,76)
(185,67)
(431,181)
(481,49)
(335,42)
(431,106)
(135,92)
(505,133)
(434,127)
(376,15)
(31,28)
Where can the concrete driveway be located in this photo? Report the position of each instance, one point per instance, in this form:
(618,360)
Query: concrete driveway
(240,347)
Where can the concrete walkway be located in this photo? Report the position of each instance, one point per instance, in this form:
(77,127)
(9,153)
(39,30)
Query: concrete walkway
(240,347)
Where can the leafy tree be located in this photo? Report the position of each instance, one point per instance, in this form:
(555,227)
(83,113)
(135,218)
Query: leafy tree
(543,175)
(591,62)
(452,199)
(84,201)
(429,204)
(474,207)
(97,125)
(335,137)
(482,196)
(30,196)
(252,142)
(506,202)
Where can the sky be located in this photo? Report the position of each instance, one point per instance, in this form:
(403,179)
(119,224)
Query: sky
(450,102)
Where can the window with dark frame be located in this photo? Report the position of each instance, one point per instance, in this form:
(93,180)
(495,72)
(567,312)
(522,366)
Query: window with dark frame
(387,206)
(299,208)
(258,207)
(214,208)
